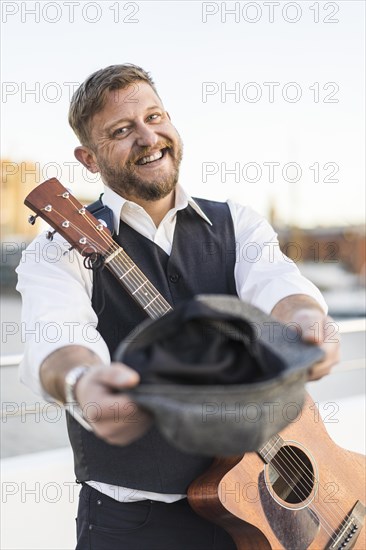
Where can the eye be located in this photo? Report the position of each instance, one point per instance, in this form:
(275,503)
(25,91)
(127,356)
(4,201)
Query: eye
(154,116)
(120,131)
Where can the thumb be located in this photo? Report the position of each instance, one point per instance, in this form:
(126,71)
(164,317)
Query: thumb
(119,375)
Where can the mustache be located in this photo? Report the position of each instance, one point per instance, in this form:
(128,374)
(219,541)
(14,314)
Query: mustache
(146,151)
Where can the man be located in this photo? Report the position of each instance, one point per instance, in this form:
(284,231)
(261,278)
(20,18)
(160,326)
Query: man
(134,482)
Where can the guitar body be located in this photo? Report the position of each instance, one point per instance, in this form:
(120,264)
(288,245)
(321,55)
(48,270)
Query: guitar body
(316,503)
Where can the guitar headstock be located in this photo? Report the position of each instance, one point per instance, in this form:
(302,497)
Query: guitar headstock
(62,211)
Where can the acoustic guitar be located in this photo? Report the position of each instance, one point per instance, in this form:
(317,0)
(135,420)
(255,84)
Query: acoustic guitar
(299,491)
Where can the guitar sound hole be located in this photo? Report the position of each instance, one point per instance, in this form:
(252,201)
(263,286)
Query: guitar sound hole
(291,474)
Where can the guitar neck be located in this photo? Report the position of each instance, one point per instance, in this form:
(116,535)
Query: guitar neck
(271,448)
(58,207)
(137,284)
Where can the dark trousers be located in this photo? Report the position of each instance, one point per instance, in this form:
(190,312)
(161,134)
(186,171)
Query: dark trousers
(106,524)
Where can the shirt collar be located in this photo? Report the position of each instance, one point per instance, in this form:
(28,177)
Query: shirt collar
(116,203)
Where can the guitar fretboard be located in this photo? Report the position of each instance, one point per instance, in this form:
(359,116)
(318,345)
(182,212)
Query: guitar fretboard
(137,284)
(271,448)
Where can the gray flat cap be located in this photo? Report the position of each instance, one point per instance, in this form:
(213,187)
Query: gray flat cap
(219,376)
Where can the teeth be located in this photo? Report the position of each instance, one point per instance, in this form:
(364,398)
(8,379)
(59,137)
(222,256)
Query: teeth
(151,158)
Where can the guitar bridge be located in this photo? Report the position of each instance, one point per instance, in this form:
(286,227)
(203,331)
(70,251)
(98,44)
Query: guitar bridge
(350,529)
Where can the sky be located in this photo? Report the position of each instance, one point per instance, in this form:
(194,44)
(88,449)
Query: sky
(268,96)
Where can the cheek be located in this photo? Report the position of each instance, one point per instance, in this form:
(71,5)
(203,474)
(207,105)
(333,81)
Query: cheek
(174,135)
(168,129)
(114,152)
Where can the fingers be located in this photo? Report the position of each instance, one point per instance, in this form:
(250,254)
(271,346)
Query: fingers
(319,329)
(332,355)
(318,371)
(108,408)
(322,368)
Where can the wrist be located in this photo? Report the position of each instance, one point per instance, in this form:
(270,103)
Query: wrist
(55,367)
(71,379)
(71,404)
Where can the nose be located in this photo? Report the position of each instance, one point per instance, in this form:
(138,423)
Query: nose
(146,136)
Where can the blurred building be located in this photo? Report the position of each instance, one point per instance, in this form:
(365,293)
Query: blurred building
(334,259)
(17,180)
(327,245)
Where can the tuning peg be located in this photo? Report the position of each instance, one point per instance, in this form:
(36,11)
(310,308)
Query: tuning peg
(32,219)
(68,250)
(50,234)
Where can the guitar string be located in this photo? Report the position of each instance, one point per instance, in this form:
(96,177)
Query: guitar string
(320,516)
(339,519)
(114,247)
(137,275)
(159,306)
(340,516)
(97,244)
(301,495)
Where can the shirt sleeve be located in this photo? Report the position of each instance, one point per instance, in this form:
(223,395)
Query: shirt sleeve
(263,274)
(56,292)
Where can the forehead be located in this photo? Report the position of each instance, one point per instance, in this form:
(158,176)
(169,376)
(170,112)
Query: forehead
(126,103)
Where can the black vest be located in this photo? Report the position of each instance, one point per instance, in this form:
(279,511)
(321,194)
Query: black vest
(202,261)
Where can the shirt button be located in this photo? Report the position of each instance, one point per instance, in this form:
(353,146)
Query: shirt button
(174,278)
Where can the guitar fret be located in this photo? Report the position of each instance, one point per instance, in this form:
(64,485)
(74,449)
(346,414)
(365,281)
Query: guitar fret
(113,255)
(151,301)
(127,272)
(145,294)
(137,289)
(274,444)
(142,295)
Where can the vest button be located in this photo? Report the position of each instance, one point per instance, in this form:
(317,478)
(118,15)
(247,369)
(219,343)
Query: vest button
(174,278)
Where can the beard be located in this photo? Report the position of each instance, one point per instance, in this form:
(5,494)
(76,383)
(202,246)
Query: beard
(129,184)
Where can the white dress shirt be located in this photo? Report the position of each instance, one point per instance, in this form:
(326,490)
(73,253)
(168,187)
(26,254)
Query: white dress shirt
(57,289)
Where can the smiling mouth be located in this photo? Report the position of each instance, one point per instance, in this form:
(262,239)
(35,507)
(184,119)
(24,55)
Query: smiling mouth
(152,158)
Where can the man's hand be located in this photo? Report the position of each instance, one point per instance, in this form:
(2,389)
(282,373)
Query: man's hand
(101,394)
(321,330)
(315,327)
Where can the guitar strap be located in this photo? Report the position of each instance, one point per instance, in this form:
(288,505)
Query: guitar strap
(102,213)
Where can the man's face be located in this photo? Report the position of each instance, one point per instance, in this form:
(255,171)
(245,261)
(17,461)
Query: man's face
(136,148)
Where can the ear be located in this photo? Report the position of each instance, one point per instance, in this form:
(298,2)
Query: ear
(87,158)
